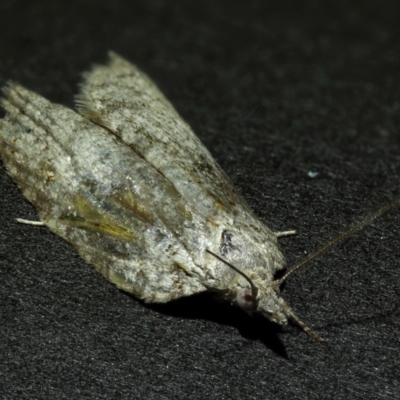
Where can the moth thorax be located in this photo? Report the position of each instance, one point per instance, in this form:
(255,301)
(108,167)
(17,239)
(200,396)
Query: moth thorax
(245,300)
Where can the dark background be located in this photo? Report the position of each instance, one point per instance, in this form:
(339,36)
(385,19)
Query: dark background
(322,79)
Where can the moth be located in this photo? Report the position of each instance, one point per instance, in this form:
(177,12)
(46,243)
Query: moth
(127,183)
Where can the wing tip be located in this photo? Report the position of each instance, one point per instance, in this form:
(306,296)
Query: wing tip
(113,58)
(84,106)
(15,95)
(8,89)
(84,103)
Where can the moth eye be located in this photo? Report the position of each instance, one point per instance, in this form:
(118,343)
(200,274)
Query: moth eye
(245,300)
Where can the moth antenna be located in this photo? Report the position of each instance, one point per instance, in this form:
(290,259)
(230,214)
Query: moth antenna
(289,313)
(254,290)
(341,237)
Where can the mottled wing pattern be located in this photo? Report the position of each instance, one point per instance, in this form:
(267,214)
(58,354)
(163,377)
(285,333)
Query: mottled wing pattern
(122,98)
(121,214)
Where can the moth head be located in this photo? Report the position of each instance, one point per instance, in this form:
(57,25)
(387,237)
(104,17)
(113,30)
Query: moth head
(257,295)
(268,303)
(272,306)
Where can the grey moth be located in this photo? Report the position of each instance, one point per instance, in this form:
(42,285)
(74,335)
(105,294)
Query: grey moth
(131,187)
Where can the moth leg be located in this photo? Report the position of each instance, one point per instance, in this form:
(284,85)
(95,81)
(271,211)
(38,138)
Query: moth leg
(284,233)
(29,222)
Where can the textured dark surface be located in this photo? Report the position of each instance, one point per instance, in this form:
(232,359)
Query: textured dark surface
(322,80)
